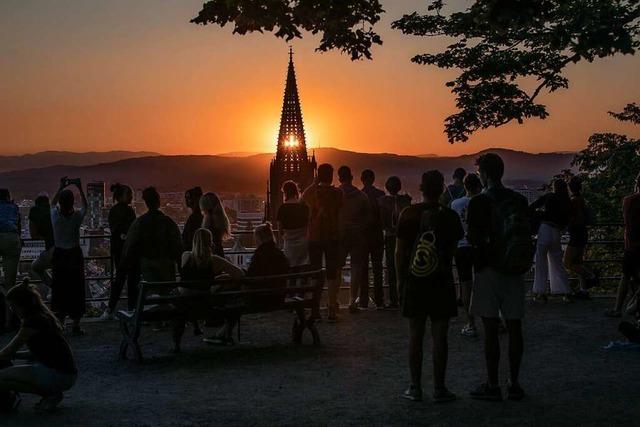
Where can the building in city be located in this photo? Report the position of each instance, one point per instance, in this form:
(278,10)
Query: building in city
(96,202)
(291,162)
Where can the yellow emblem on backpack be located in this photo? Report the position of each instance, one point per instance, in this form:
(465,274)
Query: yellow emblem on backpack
(425,258)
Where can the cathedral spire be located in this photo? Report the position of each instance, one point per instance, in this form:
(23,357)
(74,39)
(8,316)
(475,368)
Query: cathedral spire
(291,137)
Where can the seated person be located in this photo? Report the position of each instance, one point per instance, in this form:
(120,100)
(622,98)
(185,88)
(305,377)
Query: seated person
(267,260)
(51,369)
(200,264)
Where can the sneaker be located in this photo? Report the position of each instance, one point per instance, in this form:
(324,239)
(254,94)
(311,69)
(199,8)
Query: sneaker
(486,392)
(49,403)
(413,393)
(443,395)
(106,315)
(514,392)
(613,313)
(469,331)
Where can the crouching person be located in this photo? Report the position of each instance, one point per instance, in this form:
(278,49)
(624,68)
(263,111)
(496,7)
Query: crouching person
(51,367)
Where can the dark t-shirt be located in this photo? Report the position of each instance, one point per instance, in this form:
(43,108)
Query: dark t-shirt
(554,209)
(324,202)
(48,345)
(292,216)
(481,223)
(194,222)
(41,217)
(121,216)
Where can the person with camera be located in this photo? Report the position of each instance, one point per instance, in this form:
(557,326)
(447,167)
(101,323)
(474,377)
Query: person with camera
(50,369)
(68,287)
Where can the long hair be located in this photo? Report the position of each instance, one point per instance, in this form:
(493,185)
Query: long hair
(28,299)
(119,191)
(264,233)
(560,188)
(214,215)
(202,247)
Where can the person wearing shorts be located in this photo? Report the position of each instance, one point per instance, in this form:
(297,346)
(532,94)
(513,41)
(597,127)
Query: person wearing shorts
(495,293)
(430,297)
(464,254)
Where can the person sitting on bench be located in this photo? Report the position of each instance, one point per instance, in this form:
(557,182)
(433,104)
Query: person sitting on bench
(267,260)
(52,368)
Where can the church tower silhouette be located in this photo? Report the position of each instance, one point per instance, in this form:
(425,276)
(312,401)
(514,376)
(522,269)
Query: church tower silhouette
(291,162)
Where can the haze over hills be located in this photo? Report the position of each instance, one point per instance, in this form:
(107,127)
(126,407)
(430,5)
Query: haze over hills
(52,158)
(249,174)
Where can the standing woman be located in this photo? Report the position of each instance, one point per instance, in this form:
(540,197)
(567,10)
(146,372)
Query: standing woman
(68,287)
(121,216)
(553,210)
(579,219)
(293,222)
(194,222)
(215,220)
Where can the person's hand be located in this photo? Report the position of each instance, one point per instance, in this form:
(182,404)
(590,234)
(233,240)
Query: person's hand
(78,183)
(63,182)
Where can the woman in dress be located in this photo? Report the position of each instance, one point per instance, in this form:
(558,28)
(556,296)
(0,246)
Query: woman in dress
(68,287)
(215,220)
(293,222)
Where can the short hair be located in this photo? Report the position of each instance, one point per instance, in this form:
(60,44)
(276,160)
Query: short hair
(432,185)
(290,189)
(5,195)
(66,200)
(264,233)
(151,197)
(368,177)
(491,164)
(575,185)
(325,173)
(193,196)
(393,185)
(472,182)
(118,190)
(344,174)
(459,173)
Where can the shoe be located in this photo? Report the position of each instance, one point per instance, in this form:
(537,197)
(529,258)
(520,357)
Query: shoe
(613,313)
(514,392)
(485,392)
(413,393)
(49,403)
(539,298)
(106,315)
(443,395)
(469,331)
(566,300)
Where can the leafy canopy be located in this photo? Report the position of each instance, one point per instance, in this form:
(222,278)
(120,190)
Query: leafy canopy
(507,51)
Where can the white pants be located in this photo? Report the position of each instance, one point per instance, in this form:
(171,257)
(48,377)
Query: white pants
(549,257)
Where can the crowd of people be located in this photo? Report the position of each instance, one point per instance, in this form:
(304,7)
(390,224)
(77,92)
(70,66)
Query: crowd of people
(476,224)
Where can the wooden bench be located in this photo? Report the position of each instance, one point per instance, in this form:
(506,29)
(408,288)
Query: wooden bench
(164,302)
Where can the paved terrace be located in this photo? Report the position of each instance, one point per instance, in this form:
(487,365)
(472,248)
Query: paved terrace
(354,378)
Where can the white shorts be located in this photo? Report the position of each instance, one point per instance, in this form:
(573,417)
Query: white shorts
(496,294)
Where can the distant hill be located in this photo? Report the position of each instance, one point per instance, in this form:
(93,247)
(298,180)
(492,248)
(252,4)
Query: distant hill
(67,158)
(250,174)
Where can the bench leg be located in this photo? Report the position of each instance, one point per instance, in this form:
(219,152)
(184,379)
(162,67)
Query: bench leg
(299,324)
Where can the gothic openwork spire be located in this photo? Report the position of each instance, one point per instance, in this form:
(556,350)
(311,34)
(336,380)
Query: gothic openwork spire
(291,138)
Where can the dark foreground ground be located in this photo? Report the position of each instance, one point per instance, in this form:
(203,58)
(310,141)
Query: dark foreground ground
(354,378)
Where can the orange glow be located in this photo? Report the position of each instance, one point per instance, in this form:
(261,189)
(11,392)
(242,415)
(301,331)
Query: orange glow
(152,81)
(291,142)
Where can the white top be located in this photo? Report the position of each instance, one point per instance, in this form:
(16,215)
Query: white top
(461,206)
(66,229)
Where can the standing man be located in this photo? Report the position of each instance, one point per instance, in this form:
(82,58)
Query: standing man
(464,254)
(154,241)
(354,218)
(375,237)
(391,206)
(455,190)
(325,202)
(40,228)
(10,247)
(631,259)
(428,234)
(499,228)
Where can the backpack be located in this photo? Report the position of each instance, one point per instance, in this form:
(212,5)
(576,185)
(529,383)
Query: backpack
(426,261)
(511,238)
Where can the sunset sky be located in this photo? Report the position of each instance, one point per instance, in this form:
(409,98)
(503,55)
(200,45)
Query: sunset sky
(136,75)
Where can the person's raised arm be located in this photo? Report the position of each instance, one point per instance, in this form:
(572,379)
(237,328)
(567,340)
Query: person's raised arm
(83,197)
(56,197)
